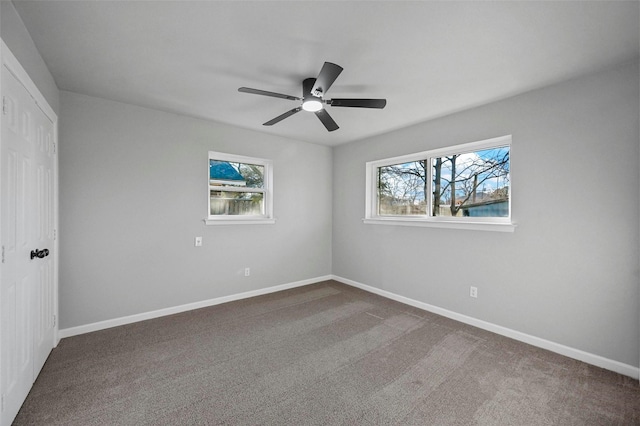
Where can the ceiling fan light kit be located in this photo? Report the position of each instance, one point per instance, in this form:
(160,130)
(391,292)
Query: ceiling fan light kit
(311,102)
(311,105)
(313,90)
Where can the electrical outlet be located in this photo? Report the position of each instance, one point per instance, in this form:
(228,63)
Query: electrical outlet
(198,241)
(473,292)
(247,272)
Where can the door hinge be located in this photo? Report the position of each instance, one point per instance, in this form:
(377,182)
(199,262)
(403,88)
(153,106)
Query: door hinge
(54,320)
(4,105)
(55,234)
(2,254)
(54,147)
(2,403)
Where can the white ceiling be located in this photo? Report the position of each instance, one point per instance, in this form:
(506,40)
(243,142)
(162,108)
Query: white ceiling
(428,59)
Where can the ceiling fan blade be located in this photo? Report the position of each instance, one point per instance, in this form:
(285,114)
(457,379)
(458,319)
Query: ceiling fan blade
(265,93)
(327,76)
(326,119)
(358,103)
(282,116)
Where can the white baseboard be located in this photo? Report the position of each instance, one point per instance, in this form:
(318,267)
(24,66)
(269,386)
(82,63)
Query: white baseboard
(589,358)
(101,325)
(597,360)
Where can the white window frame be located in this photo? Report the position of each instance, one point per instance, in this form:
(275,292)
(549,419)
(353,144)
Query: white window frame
(501,224)
(263,219)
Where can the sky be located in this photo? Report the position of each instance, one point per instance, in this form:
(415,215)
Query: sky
(465,168)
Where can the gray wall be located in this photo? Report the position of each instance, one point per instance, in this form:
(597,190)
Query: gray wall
(133,195)
(17,38)
(569,272)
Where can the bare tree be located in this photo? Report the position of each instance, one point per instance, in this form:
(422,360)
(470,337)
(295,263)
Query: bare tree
(456,180)
(468,175)
(402,187)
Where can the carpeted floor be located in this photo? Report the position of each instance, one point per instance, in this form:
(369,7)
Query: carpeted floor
(324,354)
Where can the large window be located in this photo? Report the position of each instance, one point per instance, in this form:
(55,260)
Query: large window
(240,189)
(464,186)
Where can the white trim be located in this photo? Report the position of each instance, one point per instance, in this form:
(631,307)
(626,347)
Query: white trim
(11,63)
(589,358)
(439,152)
(476,226)
(234,158)
(56,235)
(101,325)
(252,221)
(597,360)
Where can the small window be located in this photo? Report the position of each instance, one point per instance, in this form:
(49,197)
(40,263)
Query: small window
(240,189)
(465,186)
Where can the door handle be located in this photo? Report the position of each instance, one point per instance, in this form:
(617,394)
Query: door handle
(39,253)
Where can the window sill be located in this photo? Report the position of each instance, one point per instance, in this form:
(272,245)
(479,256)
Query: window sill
(474,226)
(251,221)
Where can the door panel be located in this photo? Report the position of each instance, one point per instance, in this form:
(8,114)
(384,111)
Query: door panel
(16,279)
(26,223)
(43,208)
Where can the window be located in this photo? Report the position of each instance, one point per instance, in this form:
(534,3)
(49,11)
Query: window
(466,186)
(240,190)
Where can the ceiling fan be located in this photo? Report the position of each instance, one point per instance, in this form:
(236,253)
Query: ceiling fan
(313,91)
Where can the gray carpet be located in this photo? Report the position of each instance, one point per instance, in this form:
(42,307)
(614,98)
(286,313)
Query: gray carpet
(323,354)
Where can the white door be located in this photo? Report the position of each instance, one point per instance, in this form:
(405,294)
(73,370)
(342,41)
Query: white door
(42,225)
(26,233)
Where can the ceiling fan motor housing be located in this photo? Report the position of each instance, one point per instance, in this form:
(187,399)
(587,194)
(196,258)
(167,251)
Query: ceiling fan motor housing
(310,102)
(313,91)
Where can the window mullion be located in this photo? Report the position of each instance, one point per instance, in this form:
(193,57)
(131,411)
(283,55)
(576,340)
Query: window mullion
(235,189)
(402,188)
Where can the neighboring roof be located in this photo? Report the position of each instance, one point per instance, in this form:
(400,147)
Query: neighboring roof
(222,170)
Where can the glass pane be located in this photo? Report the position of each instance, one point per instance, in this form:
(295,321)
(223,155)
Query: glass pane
(226,173)
(473,184)
(402,188)
(235,203)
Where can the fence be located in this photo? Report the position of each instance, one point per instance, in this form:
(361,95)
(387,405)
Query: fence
(235,207)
